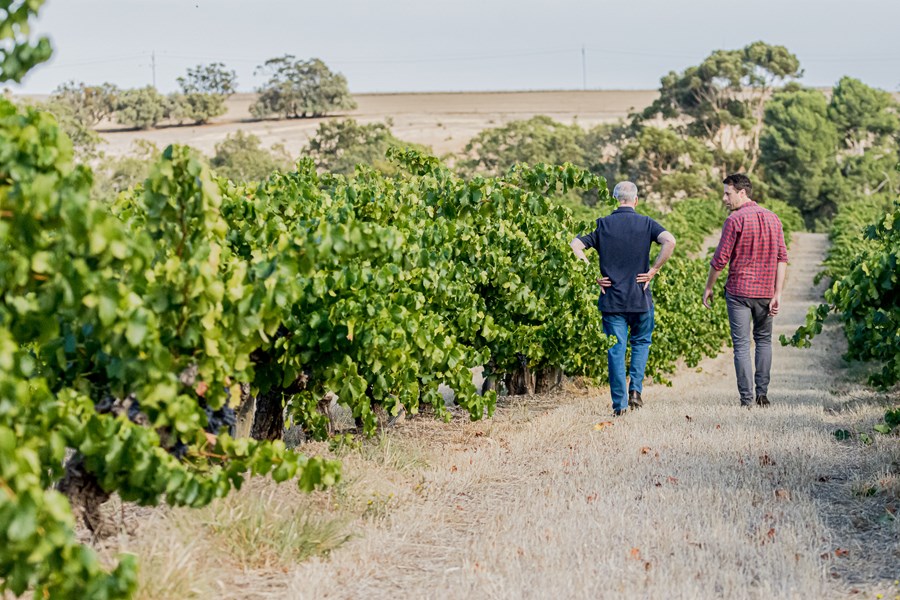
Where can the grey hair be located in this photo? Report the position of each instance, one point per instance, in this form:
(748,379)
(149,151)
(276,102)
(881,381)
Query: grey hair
(625,192)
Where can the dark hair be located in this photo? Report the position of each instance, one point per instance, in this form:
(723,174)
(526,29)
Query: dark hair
(739,182)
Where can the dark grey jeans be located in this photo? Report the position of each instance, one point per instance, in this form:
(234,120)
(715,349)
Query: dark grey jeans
(744,315)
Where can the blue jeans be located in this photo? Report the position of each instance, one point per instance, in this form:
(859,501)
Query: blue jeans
(641,326)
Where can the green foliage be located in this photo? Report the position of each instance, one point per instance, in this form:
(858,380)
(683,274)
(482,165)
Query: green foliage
(196,107)
(798,153)
(866,298)
(300,88)
(84,139)
(891,423)
(392,286)
(848,234)
(241,158)
(212,79)
(114,175)
(100,318)
(140,108)
(867,124)
(870,173)
(203,93)
(864,116)
(724,96)
(87,104)
(17,53)
(539,139)
(666,165)
(338,146)
(692,220)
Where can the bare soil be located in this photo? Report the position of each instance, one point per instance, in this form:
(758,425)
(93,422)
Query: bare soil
(689,497)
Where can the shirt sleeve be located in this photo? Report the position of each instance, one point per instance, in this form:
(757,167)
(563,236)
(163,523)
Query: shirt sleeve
(726,245)
(655,230)
(782,248)
(591,240)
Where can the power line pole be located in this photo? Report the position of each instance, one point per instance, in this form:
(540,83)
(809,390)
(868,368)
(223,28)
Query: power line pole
(153,66)
(583,68)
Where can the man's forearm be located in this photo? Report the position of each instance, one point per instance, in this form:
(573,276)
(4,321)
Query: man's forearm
(780,272)
(578,249)
(664,254)
(711,279)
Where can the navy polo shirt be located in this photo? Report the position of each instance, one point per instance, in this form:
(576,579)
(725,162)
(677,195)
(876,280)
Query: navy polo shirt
(623,241)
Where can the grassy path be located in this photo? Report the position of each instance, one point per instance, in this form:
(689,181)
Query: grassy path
(690,497)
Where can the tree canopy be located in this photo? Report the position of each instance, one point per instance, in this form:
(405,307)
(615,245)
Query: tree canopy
(722,99)
(797,148)
(339,145)
(300,88)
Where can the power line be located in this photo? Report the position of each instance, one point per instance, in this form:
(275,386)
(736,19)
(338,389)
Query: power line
(98,61)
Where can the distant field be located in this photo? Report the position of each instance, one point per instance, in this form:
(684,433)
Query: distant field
(443,121)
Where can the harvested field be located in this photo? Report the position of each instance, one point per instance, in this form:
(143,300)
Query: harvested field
(443,121)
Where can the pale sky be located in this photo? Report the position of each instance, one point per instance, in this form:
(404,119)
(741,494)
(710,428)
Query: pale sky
(461,45)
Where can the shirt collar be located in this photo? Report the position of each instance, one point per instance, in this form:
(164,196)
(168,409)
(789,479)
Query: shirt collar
(625,209)
(747,203)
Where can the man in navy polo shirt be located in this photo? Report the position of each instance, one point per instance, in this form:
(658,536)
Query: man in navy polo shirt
(623,241)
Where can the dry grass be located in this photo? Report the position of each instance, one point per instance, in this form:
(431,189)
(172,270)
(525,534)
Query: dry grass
(691,497)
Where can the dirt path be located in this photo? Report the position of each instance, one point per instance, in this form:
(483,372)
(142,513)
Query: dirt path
(690,497)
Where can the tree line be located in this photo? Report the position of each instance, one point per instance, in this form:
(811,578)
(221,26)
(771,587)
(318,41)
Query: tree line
(294,88)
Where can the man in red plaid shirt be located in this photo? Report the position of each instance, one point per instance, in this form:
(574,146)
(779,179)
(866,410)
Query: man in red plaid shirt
(752,245)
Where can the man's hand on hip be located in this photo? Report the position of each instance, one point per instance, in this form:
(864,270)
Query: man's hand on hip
(604,283)
(645,278)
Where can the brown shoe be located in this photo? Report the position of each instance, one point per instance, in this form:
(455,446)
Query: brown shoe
(634,400)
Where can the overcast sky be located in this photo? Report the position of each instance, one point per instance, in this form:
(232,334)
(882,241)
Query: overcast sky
(461,45)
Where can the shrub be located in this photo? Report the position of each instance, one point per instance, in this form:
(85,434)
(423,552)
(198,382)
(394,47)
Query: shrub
(240,157)
(140,108)
(300,88)
(338,146)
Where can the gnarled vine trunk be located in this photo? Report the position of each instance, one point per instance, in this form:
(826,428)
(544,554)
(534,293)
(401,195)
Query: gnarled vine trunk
(520,381)
(245,413)
(547,380)
(268,424)
(86,497)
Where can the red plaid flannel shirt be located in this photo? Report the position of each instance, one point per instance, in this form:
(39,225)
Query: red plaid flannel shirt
(753,243)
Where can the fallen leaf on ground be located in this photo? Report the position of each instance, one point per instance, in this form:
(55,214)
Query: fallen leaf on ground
(645,450)
(782,494)
(636,554)
(602,425)
(841,552)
